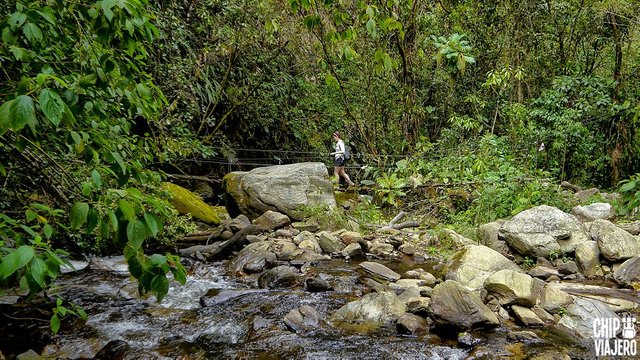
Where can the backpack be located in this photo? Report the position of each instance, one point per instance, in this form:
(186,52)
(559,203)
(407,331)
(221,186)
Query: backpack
(347,154)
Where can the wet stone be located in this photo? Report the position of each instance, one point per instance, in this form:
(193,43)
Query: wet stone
(522,336)
(379,271)
(113,350)
(302,319)
(411,324)
(280,276)
(317,284)
(467,340)
(568,268)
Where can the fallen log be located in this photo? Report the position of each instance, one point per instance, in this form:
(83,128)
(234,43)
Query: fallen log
(223,247)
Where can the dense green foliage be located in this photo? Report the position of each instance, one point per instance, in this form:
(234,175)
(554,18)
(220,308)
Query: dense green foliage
(446,103)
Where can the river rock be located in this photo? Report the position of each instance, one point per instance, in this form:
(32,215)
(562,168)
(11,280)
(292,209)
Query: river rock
(330,243)
(421,274)
(632,228)
(542,230)
(403,284)
(488,236)
(458,241)
(288,189)
(472,265)
(588,257)
(253,258)
(279,276)
(381,249)
(628,274)
(302,236)
(283,233)
(114,350)
(593,212)
(578,320)
(239,223)
(285,249)
(115,264)
(310,226)
(310,244)
(526,316)
(543,272)
(411,324)
(559,295)
(379,271)
(352,250)
(524,335)
(614,243)
(453,305)
(407,249)
(584,195)
(317,284)
(379,307)
(303,319)
(543,314)
(272,220)
(216,297)
(467,340)
(350,237)
(512,287)
(73,266)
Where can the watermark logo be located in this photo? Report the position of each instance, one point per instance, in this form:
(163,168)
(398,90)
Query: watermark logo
(615,336)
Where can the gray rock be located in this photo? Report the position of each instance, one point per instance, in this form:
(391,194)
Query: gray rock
(488,236)
(330,243)
(543,314)
(253,258)
(407,249)
(279,276)
(310,244)
(453,305)
(543,272)
(404,284)
(467,340)
(458,241)
(239,223)
(305,226)
(578,320)
(302,319)
(380,307)
(568,268)
(382,249)
(350,237)
(512,287)
(412,324)
(614,243)
(421,274)
(256,238)
(115,264)
(285,250)
(584,195)
(524,335)
(317,284)
(628,274)
(588,257)
(302,236)
(560,295)
(283,233)
(379,271)
(352,250)
(593,212)
(272,220)
(472,265)
(73,266)
(526,316)
(216,297)
(632,228)
(226,235)
(419,306)
(284,188)
(542,230)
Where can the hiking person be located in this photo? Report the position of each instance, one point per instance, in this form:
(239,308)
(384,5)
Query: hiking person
(339,159)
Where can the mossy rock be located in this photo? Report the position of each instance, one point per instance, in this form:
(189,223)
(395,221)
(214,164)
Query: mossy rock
(187,202)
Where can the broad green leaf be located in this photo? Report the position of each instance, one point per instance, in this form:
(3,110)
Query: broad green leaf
(152,223)
(32,32)
(88,80)
(78,214)
(23,113)
(47,15)
(16,260)
(114,220)
(332,82)
(628,186)
(92,220)
(17,19)
(160,286)
(55,323)
(5,117)
(97,179)
(38,271)
(118,159)
(48,231)
(127,209)
(135,268)
(136,232)
(51,105)
(179,275)
(371,27)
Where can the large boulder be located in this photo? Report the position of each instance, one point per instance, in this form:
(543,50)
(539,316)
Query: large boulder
(302,319)
(593,212)
(381,307)
(378,271)
(512,287)
(488,236)
(284,188)
(543,230)
(613,242)
(187,202)
(272,220)
(579,317)
(557,296)
(628,274)
(472,265)
(453,305)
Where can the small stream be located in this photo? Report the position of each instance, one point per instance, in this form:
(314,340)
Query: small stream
(240,321)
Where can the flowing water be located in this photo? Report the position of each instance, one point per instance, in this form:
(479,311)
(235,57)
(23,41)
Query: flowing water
(239,321)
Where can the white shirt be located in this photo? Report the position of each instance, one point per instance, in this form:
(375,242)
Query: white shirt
(339,149)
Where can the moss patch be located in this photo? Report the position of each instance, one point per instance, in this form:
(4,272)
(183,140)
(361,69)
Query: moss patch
(187,202)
